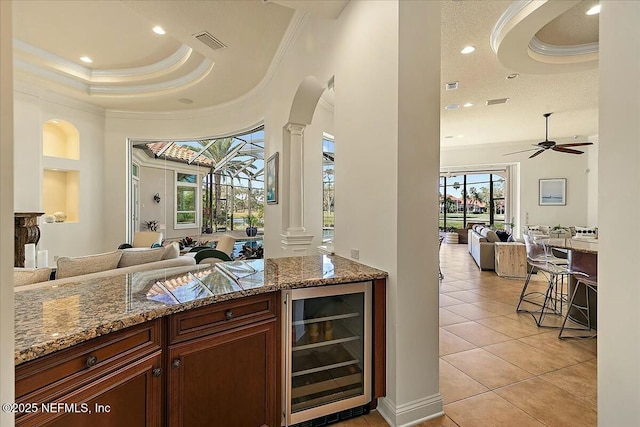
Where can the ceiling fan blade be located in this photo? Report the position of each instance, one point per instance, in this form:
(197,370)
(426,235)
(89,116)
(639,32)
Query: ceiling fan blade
(566,150)
(575,144)
(521,151)
(536,153)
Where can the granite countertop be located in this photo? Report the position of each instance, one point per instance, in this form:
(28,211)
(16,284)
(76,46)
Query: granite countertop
(581,245)
(54,317)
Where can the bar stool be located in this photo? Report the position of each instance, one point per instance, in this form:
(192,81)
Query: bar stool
(555,269)
(590,283)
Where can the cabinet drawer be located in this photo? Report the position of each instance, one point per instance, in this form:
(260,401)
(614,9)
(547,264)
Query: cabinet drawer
(221,316)
(60,372)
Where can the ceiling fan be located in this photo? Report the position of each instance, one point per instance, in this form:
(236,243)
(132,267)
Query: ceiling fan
(546,144)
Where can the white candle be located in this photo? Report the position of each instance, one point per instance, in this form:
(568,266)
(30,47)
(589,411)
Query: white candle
(30,255)
(43,258)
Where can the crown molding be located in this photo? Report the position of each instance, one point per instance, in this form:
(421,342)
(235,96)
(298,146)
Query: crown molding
(542,48)
(55,98)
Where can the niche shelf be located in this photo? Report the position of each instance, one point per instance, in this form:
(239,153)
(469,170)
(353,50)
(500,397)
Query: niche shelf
(61,193)
(60,139)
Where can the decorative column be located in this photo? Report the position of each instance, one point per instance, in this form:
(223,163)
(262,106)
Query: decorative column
(296,240)
(26,231)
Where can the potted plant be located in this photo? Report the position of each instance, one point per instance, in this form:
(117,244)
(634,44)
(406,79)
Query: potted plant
(252,229)
(557,231)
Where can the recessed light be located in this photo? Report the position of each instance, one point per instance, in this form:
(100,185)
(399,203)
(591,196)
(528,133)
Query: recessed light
(86,59)
(452,107)
(467,49)
(468,104)
(513,76)
(159,30)
(593,10)
(186,100)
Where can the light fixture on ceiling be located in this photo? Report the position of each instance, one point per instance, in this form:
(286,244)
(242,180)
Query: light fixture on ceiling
(593,10)
(513,76)
(452,107)
(467,105)
(467,49)
(86,59)
(159,30)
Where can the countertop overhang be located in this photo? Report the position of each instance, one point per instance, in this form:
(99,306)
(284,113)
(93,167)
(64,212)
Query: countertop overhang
(53,317)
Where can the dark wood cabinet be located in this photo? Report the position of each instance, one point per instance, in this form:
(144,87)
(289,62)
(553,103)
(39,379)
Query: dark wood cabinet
(114,380)
(229,377)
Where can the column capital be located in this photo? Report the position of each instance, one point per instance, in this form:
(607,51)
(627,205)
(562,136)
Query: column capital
(295,128)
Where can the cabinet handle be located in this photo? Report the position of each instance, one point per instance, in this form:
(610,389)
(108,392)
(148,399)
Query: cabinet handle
(229,314)
(176,363)
(157,372)
(91,361)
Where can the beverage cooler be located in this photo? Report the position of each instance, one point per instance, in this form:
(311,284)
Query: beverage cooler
(327,350)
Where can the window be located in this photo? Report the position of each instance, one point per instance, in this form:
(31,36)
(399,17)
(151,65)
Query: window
(328,187)
(186,200)
(475,197)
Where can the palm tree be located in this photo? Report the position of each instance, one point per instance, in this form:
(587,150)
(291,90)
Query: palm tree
(221,152)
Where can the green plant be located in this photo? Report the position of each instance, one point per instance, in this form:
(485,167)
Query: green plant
(252,220)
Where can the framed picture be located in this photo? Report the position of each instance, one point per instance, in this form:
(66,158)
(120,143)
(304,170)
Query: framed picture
(272,179)
(553,192)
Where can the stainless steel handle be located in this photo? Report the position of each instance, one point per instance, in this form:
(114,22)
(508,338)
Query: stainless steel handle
(287,356)
(176,363)
(91,361)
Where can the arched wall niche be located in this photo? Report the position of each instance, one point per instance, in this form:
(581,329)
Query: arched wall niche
(60,139)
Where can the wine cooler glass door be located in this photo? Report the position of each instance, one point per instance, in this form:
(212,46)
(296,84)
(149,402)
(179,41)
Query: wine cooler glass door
(328,350)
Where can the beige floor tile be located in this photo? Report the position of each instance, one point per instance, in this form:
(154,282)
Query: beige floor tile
(476,333)
(456,385)
(565,349)
(446,301)
(549,404)
(510,327)
(535,360)
(470,311)
(577,380)
(444,288)
(467,296)
(449,318)
(488,410)
(497,307)
(486,368)
(443,421)
(451,343)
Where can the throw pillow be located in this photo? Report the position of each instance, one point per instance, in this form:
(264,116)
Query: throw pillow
(586,232)
(491,236)
(136,256)
(502,235)
(171,251)
(28,276)
(77,266)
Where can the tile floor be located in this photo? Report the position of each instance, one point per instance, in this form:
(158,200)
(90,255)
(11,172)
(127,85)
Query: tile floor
(497,368)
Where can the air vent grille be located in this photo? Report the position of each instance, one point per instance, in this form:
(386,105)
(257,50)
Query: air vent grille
(206,38)
(451,86)
(497,101)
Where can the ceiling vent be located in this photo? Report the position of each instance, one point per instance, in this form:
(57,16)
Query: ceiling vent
(451,86)
(497,101)
(206,38)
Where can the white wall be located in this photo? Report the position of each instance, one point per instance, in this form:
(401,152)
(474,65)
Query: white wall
(618,180)
(6,215)
(547,165)
(32,109)
(592,182)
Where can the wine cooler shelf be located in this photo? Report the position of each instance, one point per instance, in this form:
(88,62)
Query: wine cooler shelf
(324,334)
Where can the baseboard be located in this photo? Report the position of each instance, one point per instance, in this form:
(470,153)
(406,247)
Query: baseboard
(412,413)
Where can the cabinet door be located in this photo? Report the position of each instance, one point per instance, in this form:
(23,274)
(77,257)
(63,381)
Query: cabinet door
(131,397)
(228,379)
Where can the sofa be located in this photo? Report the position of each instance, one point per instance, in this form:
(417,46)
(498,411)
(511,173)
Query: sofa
(480,243)
(121,261)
